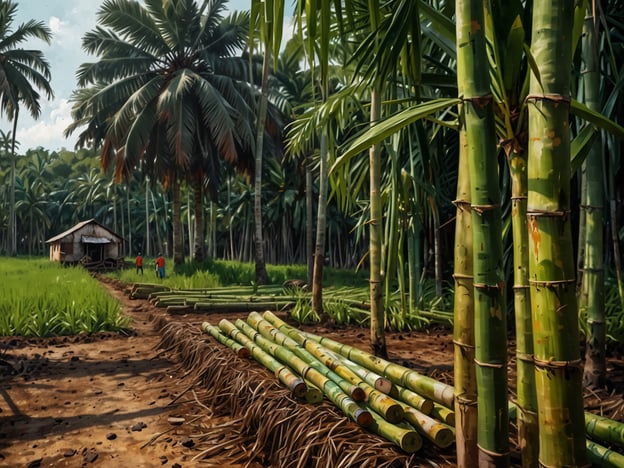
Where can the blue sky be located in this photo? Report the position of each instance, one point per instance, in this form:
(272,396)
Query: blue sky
(68,20)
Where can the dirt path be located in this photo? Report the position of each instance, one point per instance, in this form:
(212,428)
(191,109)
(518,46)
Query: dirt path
(100,400)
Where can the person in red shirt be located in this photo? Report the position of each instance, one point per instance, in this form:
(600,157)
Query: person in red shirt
(160,266)
(139,263)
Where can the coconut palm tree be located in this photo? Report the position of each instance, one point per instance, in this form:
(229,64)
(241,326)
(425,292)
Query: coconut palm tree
(23,73)
(167,89)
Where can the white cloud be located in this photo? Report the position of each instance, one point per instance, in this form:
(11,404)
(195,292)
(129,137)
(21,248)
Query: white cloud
(48,130)
(55,24)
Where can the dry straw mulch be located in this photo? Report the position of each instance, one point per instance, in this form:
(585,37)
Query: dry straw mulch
(266,426)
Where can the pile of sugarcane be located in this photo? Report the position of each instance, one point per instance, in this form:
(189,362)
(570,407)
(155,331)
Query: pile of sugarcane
(224,299)
(390,400)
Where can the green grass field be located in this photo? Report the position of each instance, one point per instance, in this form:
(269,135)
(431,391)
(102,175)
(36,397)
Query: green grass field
(41,298)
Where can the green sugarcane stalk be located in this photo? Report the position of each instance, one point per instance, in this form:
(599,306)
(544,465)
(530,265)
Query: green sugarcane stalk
(267,330)
(292,381)
(329,388)
(222,338)
(241,306)
(402,435)
(602,456)
(592,294)
(442,413)
(384,405)
(490,332)
(413,399)
(179,309)
(438,433)
(604,429)
(465,380)
(421,384)
(373,379)
(331,360)
(558,369)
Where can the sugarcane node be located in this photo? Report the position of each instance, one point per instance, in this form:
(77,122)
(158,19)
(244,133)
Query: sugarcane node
(525,357)
(591,208)
(552,364)
(465,402)
(489,458)
(460,276)
(551,284)
(479,101)
(480,209)
(553,97)
(533,213)
(459,344)
(489,287)
(492,365)
(461,204)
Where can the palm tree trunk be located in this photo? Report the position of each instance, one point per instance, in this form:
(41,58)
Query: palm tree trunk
(465,382)
(489,306)
(148,250)
(377,316)
(558,371)
(199,244)
(261,273)
(176,214)
(12,218)
(591,300)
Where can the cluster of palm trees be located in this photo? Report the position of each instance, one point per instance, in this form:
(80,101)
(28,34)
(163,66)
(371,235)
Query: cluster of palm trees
(392,119)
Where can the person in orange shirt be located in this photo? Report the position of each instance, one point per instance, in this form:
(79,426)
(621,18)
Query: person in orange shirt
(139,263)
(160,266)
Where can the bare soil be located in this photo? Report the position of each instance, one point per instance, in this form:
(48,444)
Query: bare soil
(121,399)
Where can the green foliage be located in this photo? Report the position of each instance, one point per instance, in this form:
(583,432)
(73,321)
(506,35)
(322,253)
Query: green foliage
(40,298)
(614,313)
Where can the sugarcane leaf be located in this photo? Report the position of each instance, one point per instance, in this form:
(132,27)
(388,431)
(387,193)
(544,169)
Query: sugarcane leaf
(581,145)
(391,125)
(596,118)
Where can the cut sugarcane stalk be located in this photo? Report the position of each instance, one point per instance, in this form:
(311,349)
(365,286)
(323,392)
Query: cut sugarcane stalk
(271,333)
(442,413)
(421,384)
(334,361)
(604,429)
(401,434)
(438,433)
(602,456)
(292,381)
(343,401)
(222,338)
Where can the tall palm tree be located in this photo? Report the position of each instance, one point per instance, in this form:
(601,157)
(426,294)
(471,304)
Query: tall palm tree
(167,89)
(22,74)
(270,15)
